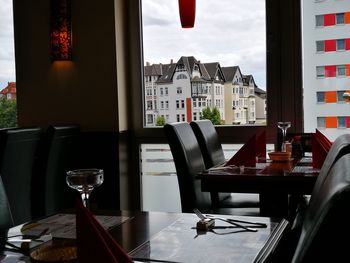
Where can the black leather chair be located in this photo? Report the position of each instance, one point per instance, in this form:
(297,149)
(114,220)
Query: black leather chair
(6,221)
(17,153)
(325,226)
(56,152)
(189,162)
(213,155)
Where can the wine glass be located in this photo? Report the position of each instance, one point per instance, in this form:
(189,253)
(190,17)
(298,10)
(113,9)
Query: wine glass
(84,181)
(283,125)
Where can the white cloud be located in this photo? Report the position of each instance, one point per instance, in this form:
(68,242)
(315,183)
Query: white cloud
(231,32)
(7,57)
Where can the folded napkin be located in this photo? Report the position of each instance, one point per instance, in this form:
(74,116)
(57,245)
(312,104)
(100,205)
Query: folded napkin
(260,145)
(246,155)
(320,148)
(94,243)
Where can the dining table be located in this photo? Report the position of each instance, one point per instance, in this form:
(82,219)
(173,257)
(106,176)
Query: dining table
(280,184)
(160,236)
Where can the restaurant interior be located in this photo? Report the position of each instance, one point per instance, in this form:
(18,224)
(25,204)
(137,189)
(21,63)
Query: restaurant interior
(96,97)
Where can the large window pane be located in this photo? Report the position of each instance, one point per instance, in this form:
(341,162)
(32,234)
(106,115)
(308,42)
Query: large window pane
(222,59)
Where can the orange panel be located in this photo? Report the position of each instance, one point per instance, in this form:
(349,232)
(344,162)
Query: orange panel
(189,109)
(331,96)
(347,70)
(331,122)
(347,18)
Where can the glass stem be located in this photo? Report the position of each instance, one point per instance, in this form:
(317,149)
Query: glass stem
(85,198)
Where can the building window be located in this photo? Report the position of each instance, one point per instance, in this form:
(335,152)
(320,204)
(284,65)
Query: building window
(340,94)
(320,46)
(182,104)
(321,122)
(194,116)
(181,76)
(167,105)
(177,117)
(320,72)
(179,90)
(149,92)
(194,103)
(149,105)
(177,104)
(340,44)
(155,92)
(183,117)
(149,118)
(166,91)
(341,122)
(161,91)
(341,71)
(319,20)
(340,18)
(320,97)
(162,104)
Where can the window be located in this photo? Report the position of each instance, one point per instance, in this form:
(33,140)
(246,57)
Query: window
(339,18)
(150,118)
(340,94)
(320,72)
(149,105)
(341,122)
(182,104)
(177,104)
(319,20)
(341,71)
(149,92)
(161,91)
(166,91)
(166,104)
(155,92)
(320,46)
(179,90)
(177,117)
(162,104)
(194,116)
(340,44)
(320,96)
(181,76)
(183,117)
(321,122)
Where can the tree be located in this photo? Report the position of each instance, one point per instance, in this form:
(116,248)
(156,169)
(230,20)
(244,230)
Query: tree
(8,113)
(212,114)
(160,121)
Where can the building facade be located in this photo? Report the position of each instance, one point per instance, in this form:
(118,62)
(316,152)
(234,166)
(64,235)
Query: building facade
(9,92)
(326,66)
(180,91)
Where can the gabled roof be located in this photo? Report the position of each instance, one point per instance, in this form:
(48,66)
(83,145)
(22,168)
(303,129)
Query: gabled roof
(259,91)
(230,72)
(153,70)
(168,72)
(247,78)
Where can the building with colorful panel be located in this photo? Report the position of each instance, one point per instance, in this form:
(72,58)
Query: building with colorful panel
(326,66)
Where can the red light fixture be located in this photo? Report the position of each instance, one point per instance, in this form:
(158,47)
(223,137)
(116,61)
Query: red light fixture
(61,30)
(187,9)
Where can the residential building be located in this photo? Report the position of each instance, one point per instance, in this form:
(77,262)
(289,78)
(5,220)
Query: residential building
(326,65)
(9,92)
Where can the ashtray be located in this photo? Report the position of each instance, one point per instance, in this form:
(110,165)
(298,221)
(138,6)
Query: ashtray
(280,156)
(54,253)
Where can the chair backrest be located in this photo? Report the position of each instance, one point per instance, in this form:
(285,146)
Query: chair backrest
(56,152)
(326,221)
(209,142)
(188,162)
(340,147)
(5,215)
(17,153)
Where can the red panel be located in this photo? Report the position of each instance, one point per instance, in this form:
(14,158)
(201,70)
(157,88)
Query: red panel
(347,44)
(330,71)
(330,45)
(187,10)
(329,20)
(189,109)
(347,122)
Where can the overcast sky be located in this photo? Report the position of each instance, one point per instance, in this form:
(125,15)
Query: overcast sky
(231,32)
(7,57)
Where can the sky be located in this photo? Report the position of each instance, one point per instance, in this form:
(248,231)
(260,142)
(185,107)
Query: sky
(7,55)
(231,32)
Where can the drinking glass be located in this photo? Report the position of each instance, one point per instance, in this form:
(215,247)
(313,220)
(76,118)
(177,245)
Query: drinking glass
(284,125)
(84,181)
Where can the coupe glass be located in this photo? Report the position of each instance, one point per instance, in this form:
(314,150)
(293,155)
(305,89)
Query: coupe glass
(84,181)
(284,125)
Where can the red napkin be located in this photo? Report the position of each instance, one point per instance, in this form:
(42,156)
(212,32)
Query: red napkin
(94,243)
(260,145)
(246,155)
(320,148)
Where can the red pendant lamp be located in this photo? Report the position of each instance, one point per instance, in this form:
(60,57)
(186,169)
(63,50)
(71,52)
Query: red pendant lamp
(187,10)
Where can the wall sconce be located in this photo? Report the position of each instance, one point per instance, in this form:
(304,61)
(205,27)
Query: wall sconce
(187,9)
(61,30)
